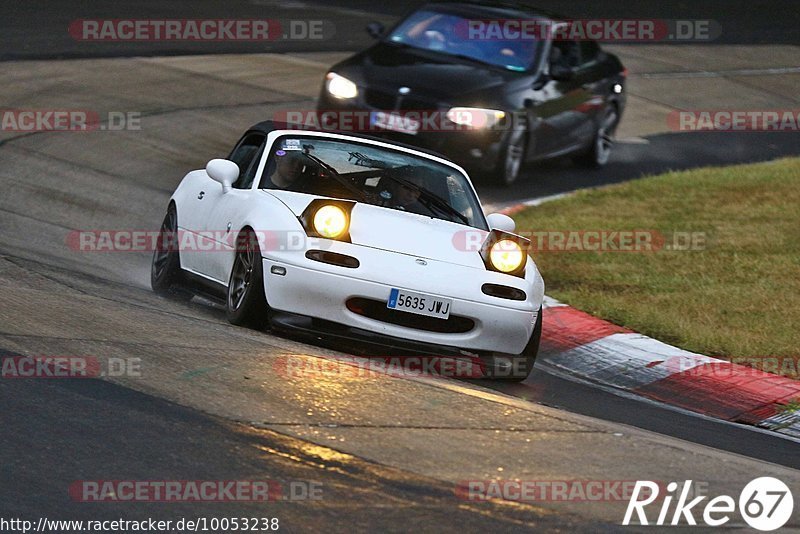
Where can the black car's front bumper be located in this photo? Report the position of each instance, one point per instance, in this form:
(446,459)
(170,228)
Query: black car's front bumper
(475,150)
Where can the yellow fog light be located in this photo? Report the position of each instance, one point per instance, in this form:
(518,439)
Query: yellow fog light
(330,221)
(506,256)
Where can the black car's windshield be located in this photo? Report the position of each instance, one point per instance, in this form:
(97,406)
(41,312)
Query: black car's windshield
(373,175)
(449,33)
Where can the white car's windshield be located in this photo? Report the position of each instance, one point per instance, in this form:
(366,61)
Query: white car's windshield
(373,175)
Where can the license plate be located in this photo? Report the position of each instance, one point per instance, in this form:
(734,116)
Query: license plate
(395,122)
(419,303)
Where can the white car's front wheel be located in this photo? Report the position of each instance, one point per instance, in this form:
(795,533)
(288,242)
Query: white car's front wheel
(508,368)
(165,270)
(246,303)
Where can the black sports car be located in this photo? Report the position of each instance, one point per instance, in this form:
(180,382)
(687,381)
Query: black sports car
(489,101)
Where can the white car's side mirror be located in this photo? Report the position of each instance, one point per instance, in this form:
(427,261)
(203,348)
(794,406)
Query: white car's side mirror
(223,171)
(498,221)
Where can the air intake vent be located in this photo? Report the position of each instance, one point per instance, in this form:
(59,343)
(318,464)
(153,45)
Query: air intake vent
(333,258)
(504,292)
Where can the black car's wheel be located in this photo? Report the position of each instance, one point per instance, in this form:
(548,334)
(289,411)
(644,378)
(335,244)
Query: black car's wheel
(165,270)
(599,153)
(517,368)
(246,303)
(512,156)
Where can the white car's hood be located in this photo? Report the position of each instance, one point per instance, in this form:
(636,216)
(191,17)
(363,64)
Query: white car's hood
(405,233)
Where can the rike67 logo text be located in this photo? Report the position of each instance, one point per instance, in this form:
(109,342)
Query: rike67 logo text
(765,504)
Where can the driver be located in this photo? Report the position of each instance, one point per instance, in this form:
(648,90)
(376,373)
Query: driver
(290,169)
(431,33)
(399,196)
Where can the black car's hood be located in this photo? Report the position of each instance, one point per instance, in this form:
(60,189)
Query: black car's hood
(430,75)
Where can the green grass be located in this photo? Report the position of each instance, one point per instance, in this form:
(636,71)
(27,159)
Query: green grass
(738,297)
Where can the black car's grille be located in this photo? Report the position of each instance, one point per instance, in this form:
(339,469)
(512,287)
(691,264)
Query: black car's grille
(375,309)
(388,101)
(380,100)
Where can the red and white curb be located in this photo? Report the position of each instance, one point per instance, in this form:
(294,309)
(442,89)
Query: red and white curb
(597,351)
(594,350)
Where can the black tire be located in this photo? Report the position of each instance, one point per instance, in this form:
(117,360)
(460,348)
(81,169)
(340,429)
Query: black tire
(599,152)
(511,160)
(166,275)
(521,365)
(246,303)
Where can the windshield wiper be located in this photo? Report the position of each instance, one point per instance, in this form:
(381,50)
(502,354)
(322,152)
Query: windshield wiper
(432,198)
(335,175)
(469,58)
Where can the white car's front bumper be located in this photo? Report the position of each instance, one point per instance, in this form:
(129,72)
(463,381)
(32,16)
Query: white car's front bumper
(322,290)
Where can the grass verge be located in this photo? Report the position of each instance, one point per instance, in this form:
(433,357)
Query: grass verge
(735,294)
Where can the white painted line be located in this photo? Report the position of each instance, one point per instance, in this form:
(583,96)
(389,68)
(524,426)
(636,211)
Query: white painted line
(528,203)
(719,74)
(632,141)
(541,200)
(552,303)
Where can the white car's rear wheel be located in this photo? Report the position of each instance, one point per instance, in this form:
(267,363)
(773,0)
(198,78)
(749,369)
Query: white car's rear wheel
(246,303)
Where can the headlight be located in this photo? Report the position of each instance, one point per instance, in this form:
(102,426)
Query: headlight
(340,87)
(328,218)
(330,221)
(476,118)
(506,256)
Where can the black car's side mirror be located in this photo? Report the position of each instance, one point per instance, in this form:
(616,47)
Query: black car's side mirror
(375,30)
(561,73)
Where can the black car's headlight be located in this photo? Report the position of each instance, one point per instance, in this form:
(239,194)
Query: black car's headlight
(505,253)
(340,87)
(329,219)
(476,118)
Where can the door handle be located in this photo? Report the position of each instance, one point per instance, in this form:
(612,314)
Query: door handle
(201,195)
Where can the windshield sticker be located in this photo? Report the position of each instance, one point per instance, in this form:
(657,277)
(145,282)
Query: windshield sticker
(292,144)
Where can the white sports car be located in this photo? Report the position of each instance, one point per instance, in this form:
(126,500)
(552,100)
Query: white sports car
(369,240)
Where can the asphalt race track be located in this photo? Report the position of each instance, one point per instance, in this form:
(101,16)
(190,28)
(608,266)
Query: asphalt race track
(213,402)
